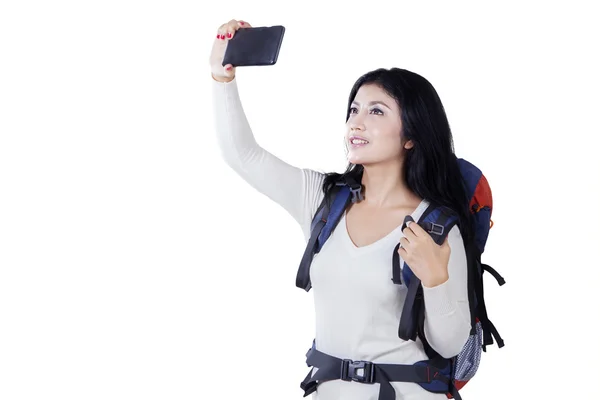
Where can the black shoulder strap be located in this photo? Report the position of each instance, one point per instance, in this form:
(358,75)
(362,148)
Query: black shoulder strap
(442,219)
(319,221)
(437,221)
(324,222)
(476,303)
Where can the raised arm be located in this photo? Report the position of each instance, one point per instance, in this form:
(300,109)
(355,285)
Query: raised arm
(297,190)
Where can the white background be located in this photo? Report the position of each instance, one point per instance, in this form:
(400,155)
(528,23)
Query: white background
(134,264)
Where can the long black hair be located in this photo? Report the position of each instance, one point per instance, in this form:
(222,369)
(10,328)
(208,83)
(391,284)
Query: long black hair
(430,167)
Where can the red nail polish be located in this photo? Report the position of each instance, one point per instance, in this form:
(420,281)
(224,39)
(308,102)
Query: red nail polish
(228,68)
(241,23)
(229,35)
(218,36)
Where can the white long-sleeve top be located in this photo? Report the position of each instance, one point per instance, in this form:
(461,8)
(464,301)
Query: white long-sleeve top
(357,306)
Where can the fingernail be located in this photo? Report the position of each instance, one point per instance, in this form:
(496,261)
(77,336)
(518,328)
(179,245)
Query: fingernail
(229,35)
(228,68)
(218,36)
(241,22)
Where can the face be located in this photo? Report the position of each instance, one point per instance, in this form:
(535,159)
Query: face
(375,119)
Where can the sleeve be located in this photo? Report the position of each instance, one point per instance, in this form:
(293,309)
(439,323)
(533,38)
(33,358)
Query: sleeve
(297,190)
(447,314)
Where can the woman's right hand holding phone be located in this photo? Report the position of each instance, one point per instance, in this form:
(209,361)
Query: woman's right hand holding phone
(220,72)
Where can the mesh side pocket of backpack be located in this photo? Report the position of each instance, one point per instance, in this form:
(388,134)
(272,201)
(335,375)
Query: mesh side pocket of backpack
(467,361)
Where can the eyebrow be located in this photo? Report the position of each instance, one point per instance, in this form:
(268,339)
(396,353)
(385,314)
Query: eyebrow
(374,102)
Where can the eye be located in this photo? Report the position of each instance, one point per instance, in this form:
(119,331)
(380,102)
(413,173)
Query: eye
(376,110)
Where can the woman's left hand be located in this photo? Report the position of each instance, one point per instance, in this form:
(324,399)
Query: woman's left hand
(427,259)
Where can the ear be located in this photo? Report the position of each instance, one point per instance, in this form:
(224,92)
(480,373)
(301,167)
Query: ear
(409,145)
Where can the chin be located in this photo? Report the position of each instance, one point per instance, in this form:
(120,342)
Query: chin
(359,157)
(359,160)
(365,161)
(353,159)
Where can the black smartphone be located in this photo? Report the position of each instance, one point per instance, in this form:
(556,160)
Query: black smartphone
(254,46)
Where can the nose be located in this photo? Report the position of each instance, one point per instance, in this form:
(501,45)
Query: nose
(356,122)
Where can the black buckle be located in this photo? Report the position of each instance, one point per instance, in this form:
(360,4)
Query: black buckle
(350,369)
(355,190)
(436,229)
(356,194)
(308,388)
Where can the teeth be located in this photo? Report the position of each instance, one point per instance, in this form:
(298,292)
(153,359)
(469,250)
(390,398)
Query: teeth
(359,141)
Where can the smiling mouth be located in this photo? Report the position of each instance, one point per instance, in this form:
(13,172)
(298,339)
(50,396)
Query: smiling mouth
(358,142)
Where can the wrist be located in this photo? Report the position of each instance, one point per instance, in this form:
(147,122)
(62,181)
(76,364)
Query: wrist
(223,79)
(435,280)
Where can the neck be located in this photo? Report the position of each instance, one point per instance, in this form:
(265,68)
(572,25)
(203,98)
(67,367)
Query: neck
(385,186)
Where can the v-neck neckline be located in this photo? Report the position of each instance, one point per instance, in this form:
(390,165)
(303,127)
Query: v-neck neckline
(395,233)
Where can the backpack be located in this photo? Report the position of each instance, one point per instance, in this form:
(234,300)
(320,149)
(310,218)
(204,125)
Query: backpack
(452,374)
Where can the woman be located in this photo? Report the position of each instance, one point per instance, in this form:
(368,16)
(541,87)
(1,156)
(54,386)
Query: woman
(400,149)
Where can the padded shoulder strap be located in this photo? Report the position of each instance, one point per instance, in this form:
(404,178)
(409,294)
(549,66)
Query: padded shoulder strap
(437,221)
(333,215)
(324,222)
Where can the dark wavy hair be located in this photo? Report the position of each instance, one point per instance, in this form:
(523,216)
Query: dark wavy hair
(430,167)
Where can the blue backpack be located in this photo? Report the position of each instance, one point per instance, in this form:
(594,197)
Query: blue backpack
(437,374)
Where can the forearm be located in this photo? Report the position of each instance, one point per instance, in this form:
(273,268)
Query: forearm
(447,314)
